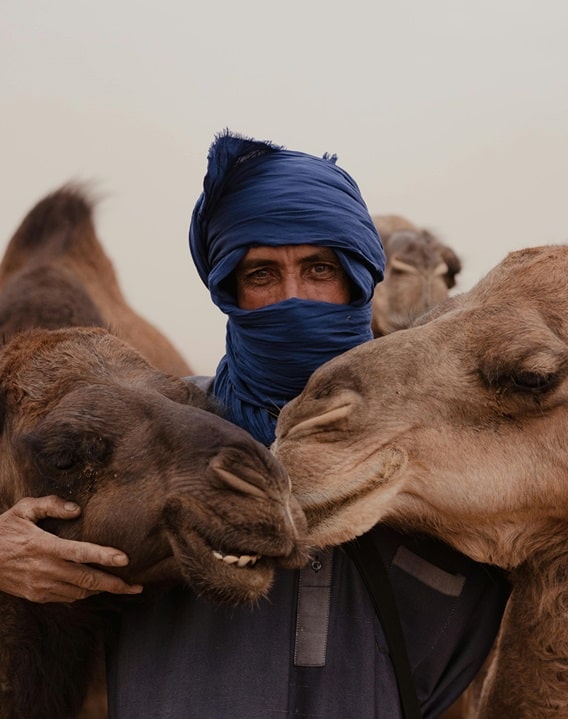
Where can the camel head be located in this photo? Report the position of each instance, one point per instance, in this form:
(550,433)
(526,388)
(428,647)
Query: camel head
(457,426)
(419,272)
(186,494)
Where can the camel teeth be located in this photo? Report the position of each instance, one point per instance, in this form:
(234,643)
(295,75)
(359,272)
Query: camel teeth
(243,560)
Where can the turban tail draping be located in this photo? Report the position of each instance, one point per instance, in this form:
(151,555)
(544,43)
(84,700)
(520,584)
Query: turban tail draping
(257,193)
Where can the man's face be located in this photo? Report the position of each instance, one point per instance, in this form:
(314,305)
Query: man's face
(267,275)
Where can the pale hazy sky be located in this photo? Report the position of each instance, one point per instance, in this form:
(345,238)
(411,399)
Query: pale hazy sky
(453,113)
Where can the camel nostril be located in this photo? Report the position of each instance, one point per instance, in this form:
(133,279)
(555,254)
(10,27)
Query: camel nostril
(236,482)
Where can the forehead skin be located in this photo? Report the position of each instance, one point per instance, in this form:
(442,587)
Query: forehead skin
(267,275)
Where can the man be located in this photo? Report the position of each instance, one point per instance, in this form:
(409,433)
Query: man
(288,250)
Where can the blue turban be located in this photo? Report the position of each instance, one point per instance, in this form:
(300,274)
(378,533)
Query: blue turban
(259,194)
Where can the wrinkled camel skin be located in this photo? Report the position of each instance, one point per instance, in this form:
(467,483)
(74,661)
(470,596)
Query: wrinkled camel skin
(157,474)
(420,270)
(459,426)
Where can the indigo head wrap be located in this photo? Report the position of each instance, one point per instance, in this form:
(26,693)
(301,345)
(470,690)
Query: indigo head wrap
(257,193)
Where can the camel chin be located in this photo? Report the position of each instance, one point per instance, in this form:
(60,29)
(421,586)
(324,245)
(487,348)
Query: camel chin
(224,578)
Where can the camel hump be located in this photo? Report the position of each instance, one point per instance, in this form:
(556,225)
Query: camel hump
(52,225)
(69,206)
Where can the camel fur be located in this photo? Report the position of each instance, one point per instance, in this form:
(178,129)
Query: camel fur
(458,426)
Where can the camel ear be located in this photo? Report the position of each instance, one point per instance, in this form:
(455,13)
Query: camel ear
(454,265)
(385,239)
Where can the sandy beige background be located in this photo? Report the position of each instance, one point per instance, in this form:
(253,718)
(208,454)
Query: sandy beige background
(452,113)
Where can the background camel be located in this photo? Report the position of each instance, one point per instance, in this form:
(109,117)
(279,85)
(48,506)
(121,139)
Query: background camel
(55,273)
(419,271)
(458,426)
(187,495)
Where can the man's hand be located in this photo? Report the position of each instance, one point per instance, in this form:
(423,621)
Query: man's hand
(42,567)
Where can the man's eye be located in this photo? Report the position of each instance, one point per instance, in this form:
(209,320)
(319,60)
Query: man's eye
(258,276)
(322,269)
(259,273)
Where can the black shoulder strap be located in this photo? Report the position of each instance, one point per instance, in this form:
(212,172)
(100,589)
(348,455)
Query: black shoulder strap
(369,562)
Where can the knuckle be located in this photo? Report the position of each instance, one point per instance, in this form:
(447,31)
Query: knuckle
(89,580)
(39,596)
(22,506)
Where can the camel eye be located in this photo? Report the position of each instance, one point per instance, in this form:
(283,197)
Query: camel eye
(67,452)
(533,382)
(323,392)
(65,461)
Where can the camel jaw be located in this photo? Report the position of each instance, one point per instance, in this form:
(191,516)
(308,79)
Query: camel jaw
(226,573)
(206,571)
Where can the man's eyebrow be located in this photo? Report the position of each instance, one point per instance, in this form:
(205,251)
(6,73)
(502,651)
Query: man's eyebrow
(249,264)
(323,254)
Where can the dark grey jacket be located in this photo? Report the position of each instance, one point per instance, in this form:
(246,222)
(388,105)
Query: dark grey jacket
(181,657)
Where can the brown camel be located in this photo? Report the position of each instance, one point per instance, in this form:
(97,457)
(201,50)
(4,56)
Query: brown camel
(420,270)
(457,427)
(187,495)
(75,407)
(55,273)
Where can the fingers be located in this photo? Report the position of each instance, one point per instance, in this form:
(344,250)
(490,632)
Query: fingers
(34,509)
(42,567)
(87,581)
(87,553)
(76,582)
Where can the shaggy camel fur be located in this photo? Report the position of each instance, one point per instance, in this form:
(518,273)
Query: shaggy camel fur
(55,273)
(458,426)
(187,495)
(419,272)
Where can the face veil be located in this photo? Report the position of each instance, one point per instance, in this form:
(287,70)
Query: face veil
(257,193)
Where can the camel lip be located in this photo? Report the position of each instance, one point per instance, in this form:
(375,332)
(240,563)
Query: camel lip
(237,563)
(230,557)
(239,560)
(192,549)
(220,581)
(244,557)
(215,565)
(377,469)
